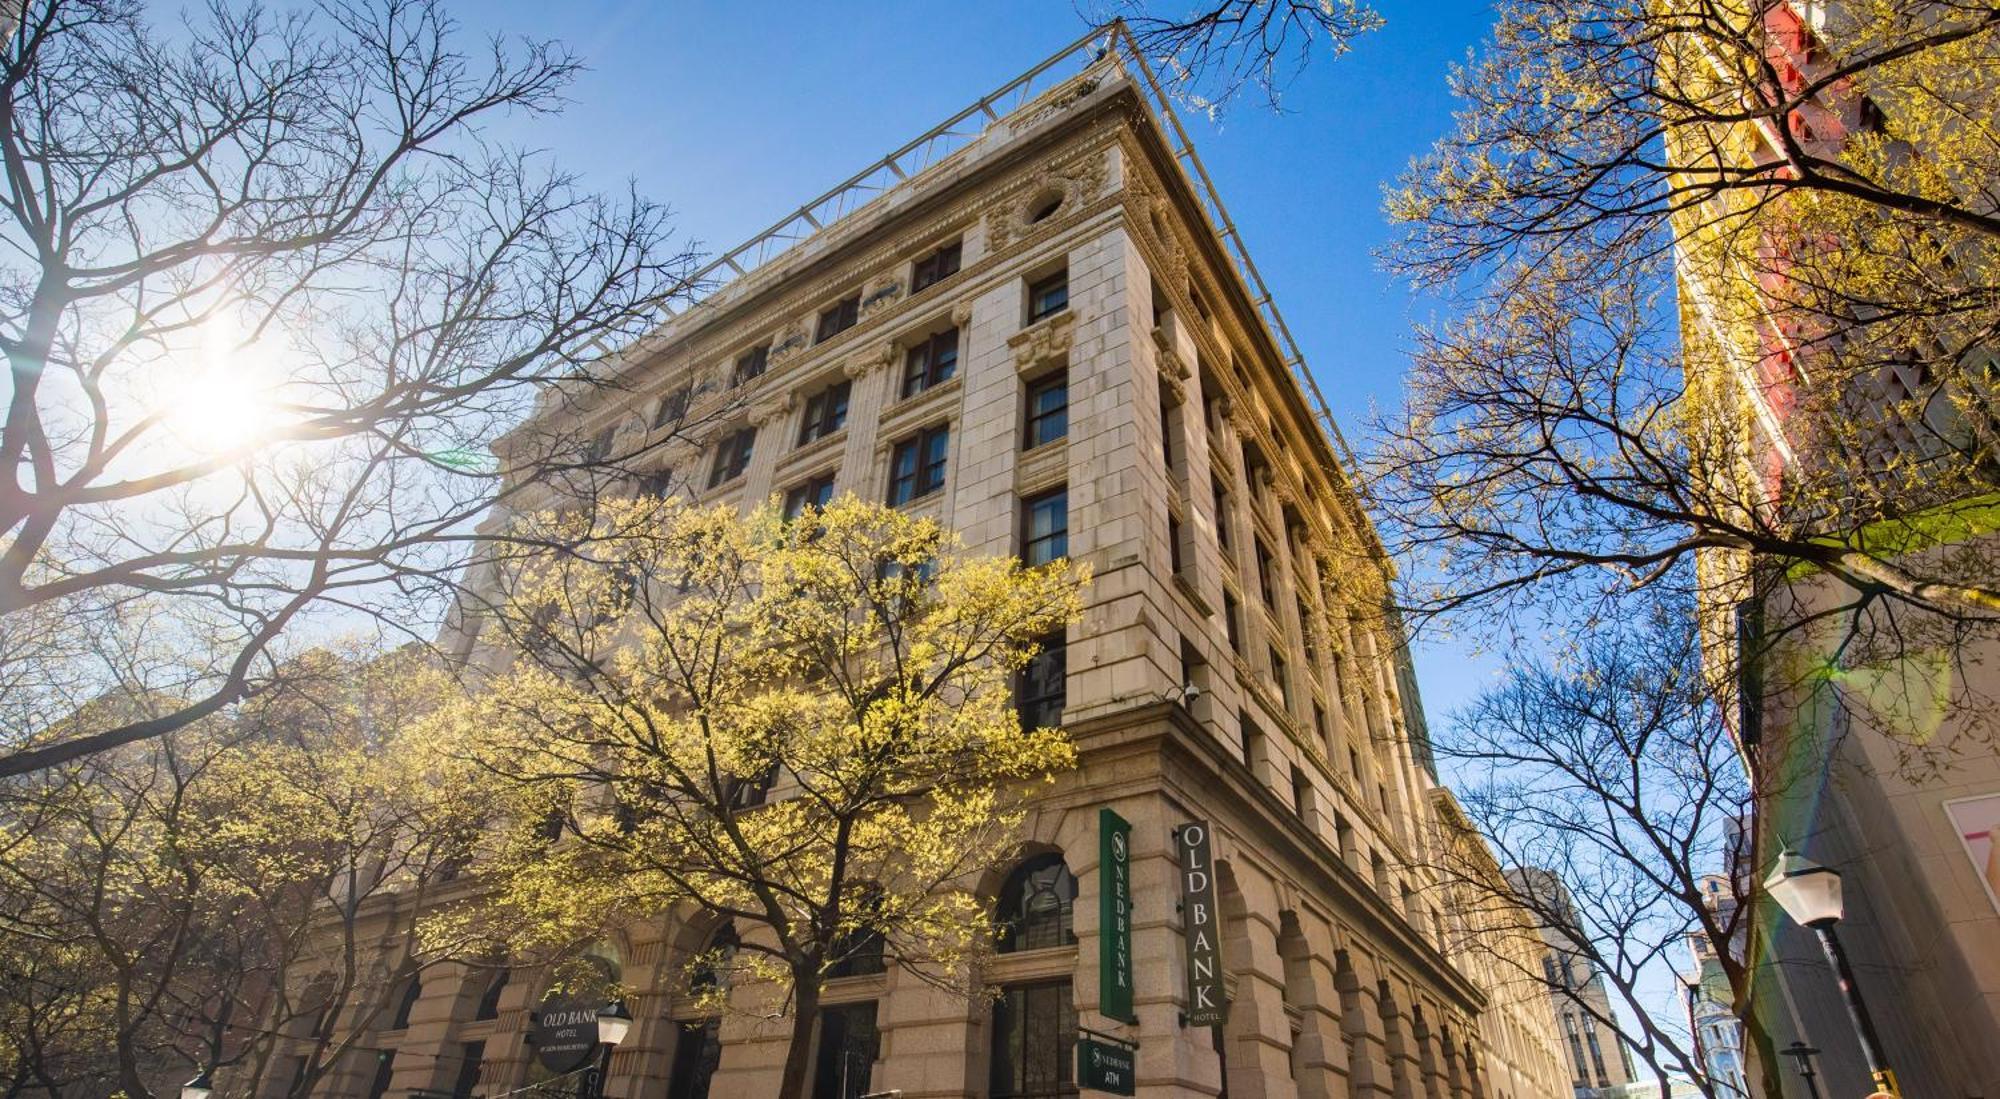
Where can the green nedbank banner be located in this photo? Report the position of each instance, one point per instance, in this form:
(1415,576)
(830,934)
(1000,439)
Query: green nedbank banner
(1114,922)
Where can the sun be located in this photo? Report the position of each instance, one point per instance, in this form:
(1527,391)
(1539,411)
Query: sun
(225,403)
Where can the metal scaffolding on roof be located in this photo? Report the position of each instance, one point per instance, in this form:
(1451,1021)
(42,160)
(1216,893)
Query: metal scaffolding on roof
(1110,45)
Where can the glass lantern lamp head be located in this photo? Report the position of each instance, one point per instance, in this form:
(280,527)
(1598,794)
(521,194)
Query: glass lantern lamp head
(614,1022)
(201,1087)
(1808,892)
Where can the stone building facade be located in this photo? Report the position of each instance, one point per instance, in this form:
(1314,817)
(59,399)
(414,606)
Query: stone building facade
(1042,340)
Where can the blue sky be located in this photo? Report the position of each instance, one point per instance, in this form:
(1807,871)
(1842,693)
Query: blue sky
(733,114)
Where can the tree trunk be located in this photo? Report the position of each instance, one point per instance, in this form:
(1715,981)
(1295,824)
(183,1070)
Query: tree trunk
(798,1056)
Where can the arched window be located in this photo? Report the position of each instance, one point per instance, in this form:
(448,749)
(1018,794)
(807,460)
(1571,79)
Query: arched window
(1036,905)
(489,1000)
(407,993)
(714,960)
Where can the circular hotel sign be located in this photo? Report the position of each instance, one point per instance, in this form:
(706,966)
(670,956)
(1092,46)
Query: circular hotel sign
(565,1034)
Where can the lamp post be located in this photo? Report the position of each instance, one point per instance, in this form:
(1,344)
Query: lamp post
(201,1087)
(1803,1054)
(1810,894)
(613,1024)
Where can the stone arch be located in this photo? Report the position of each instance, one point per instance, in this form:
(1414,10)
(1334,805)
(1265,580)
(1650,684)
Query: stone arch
(1361,1031)
(1395,1042)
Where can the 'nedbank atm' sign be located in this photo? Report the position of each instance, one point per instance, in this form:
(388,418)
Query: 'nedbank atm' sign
(1201,927)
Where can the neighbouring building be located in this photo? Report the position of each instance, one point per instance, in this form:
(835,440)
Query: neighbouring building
(1037,326)
(1718,1033)
(1598,1061)
(1833,733)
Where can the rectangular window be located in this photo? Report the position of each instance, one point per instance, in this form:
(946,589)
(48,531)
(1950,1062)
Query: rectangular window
(732,456)
(697,1053)
(932,362)
(471,1057)
(1048,296)
(751,364)
(848,1046)
(1324,730)
(838,317)
(1048,410)
(826,412)
(935,268)
(1231,613)
(673,408)
(1281,676)
(1043,688)
(815,494)
(1301,791)
(1308,633)
(1034,1042)
(1221,513)
(1264,585)
(385,1070)
(916,466)
(1174,543)
(1045,527)
(1168,451)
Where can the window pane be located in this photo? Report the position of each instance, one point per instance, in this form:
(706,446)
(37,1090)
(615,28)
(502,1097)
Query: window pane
(1048,410)
(1048,296)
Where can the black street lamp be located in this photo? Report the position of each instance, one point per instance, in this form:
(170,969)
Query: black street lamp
(1803,1054)
(1810,894)
(613,1024)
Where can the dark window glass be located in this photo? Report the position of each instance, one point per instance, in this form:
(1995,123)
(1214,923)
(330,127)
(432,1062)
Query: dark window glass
(656,484)
(720,953)
(860,952)
(815,493)
(932,362)
(1221,513)
(1048,410)
(1281,676)
(1174,557)
(385,1070)
(732,456)
(1036,905)
(1045,209)
(489,1000)
(749,791)
(1042,690)
(826,412)
(936,267)
(673,408)
(697,1052)
(838,318)
(1231,612)
(916,466)
(848,1045)
(1167,434)
(411,990)
(1034,1042)
(1045,527)
(751,364)
(1048,296)
(471,1058)
(1264,586)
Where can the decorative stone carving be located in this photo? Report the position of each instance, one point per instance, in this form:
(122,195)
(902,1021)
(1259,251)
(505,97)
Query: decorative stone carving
(1044,341)
(789,341)
(961,314)
(869,361)
(1077,181)
(881,297)
(771,409)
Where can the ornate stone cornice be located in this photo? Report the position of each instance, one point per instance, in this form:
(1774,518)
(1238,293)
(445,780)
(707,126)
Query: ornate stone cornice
(1043,342)
(869,360)
(771,408)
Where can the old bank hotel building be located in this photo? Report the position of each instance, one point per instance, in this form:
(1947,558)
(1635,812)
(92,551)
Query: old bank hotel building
(1036,324)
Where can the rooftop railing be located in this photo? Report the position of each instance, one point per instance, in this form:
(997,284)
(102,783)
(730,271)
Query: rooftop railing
(1110,44)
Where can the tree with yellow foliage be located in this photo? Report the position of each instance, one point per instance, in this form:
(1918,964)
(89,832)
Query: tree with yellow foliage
(806,728)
